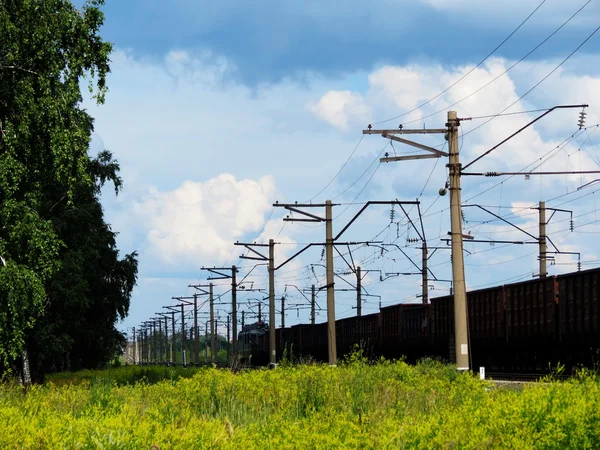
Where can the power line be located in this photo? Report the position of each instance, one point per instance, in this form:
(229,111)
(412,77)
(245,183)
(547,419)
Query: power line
(469,72)
(541,81)
(339,171)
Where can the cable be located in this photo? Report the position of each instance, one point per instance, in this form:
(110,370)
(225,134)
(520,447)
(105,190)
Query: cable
(362,174)
(502,74)
(339,171)
(468,73)
(539,82)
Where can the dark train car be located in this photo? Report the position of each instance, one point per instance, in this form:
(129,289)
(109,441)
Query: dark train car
(579,317)
(346,335)
(362,331)
(370,338)
(487,327)
(253,344)
(442,327)
(405,331)
(416,332)
(314,342)
(511,327)
(531,325)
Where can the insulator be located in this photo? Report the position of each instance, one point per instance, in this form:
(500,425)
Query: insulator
(571,225)
(297,313)
(398,231)
(491,174)
(381,251)
(578,266)
(323,253)
(462,215)
(392,214)
(581,122)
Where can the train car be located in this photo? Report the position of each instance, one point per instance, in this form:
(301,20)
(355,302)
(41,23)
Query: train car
(405,331)
(253,344)
(525,327)
(314,342)
(531,325)
(579,318)
(360,331)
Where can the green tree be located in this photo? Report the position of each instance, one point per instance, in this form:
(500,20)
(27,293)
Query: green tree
(91,290)
(48,46)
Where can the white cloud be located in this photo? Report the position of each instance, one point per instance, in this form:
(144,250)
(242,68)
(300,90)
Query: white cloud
(340,108)
(202,219)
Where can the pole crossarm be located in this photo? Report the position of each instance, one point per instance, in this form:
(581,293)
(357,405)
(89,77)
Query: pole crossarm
(392,135)
(502,219)
(407,131)
(500,174)
(184,300)
(378,202)
(497,242)
(520,130)
(199,288)
(248,246)
(435,152)
(406,158)
(218,271)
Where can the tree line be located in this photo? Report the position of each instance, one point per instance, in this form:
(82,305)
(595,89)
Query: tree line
(63,283)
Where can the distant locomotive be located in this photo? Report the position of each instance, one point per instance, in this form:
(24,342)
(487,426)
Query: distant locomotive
(519,327)
(251,342)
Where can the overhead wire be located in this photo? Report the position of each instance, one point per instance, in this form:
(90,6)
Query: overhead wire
(468,73)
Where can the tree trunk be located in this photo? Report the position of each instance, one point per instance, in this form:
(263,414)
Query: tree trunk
(26,371)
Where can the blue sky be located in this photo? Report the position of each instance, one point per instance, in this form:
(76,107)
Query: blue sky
(217,109)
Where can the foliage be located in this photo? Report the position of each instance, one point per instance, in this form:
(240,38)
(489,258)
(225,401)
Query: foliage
(122,375)
(354,405)
(91,290)
(48,46)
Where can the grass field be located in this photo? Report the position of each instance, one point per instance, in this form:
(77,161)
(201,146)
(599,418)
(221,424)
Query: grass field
(354,405)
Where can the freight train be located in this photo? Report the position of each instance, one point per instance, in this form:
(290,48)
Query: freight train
(525,327)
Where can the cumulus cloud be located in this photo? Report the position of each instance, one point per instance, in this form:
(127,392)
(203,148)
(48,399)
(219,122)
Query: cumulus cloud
(340,108)
(202,219)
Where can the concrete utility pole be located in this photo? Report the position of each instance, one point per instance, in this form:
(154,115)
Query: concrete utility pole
(183,343)
(213,341)
(270,260)
(329,244)
(234,314)
(222,276)
(358,292)
(425,281)
(228,340)
(173,337)
(282,312)
(330,283)
(259,311)
(312,305)
(542,241)
(206,338)
(196,333)
(166,339)
(458,267)
(160,333)
(272,336)
(458,272)
(154,343)
(134,344)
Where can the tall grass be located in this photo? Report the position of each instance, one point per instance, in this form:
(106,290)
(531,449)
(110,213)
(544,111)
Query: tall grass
(354,405)
(123,375)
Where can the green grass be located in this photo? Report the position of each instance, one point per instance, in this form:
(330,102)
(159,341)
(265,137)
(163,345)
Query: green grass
(354,405)
(123,375)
